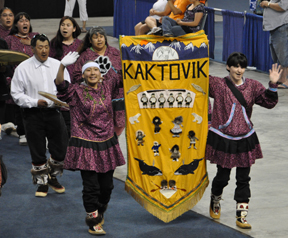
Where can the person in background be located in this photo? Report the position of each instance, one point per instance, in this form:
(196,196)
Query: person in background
(4,92)
(93,147)
(275,20)
(19,39)
(232,141)
(65,41)
(7,19)
(189,24)
(41,119)
(96,48)
(177,8)
(69,7)
(159,9)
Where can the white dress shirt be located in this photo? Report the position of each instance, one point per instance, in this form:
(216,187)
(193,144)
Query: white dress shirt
(32,76)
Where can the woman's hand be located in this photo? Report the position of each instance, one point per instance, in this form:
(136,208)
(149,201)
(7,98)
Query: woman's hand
(275,73)
(152,12)
(70,58)
(178,21)
(26,41)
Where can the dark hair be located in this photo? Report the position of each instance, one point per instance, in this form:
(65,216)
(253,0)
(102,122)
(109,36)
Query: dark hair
(2,10)
(236,59)
(41,37)
(191,133)
(20,15)
(88,37)
(56,42)
(175,147)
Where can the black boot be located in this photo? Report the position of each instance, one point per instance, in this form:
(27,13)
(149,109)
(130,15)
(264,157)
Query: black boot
(102,208)
(40,177)
(93,220)
(55,168)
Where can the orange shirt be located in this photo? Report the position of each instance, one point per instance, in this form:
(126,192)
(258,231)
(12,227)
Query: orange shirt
(203,1)
(181,4)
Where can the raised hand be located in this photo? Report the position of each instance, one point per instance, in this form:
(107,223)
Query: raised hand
(275,73)
(70,58)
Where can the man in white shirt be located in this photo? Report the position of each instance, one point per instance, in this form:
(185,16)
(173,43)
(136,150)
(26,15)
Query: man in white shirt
(41,119)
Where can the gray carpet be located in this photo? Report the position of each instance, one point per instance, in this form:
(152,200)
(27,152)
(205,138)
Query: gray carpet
(23,215)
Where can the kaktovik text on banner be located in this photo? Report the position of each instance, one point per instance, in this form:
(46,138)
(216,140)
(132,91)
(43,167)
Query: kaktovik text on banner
(166,100)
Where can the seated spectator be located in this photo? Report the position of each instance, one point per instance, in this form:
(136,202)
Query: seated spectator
(159,9)
(189,24)
(177,8)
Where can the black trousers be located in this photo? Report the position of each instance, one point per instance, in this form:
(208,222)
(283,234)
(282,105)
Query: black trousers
(97,189)
(242,191)
(66,116)
(13,114)
(42,123)
(2,112)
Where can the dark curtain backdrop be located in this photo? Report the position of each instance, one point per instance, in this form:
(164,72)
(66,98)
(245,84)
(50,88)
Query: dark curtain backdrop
(233,23)
(39,9)
(256,43)
(209,29)
(128,13)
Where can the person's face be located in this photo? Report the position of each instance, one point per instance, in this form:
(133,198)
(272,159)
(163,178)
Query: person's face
(236,73)
(98,41)
(23,26)
(67,29)
(92,76)
(41,50)
(7,18)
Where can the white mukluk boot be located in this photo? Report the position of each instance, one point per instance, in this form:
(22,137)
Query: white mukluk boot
(241,213)
(215,207)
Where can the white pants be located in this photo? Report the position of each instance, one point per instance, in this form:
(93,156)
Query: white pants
(69,7)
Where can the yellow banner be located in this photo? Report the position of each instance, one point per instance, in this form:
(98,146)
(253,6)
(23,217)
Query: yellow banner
(166,100)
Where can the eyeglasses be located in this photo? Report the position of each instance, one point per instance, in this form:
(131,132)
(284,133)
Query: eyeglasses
(6,15)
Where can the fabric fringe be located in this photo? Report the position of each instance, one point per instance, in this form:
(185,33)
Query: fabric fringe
(167,216)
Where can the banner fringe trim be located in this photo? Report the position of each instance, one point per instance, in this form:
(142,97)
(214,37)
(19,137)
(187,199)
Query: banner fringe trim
(174,213)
